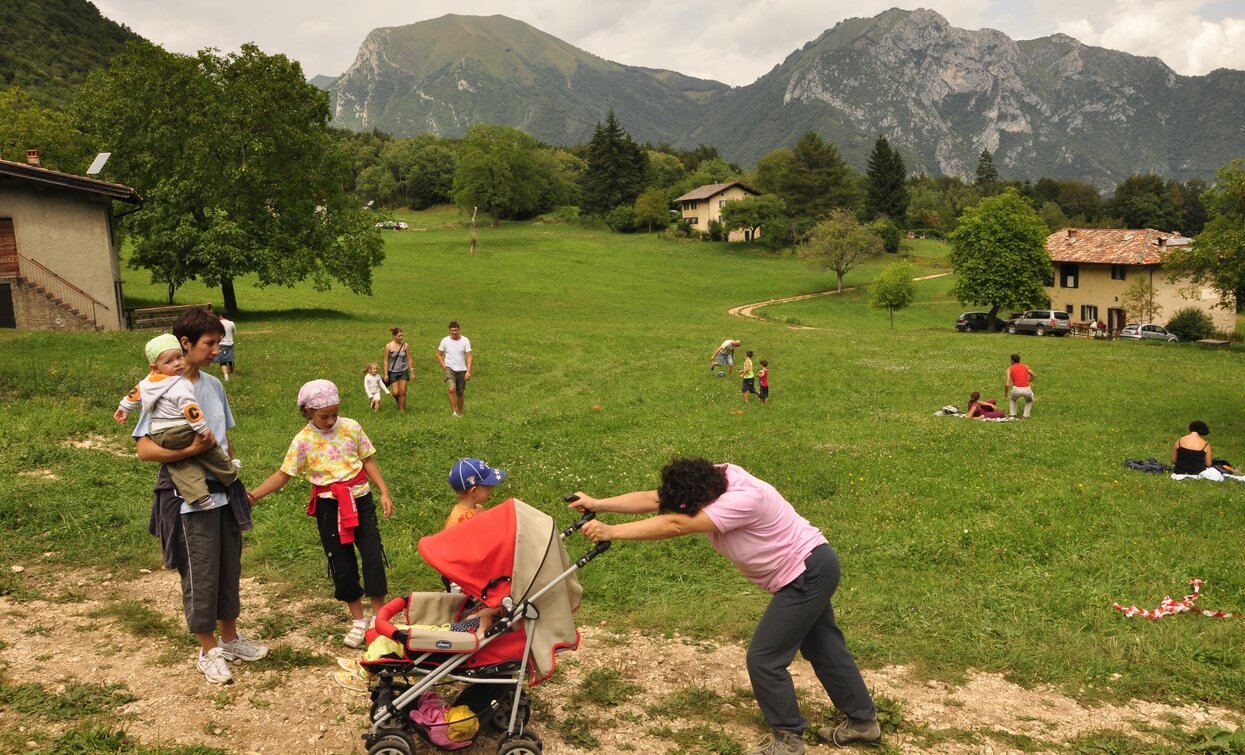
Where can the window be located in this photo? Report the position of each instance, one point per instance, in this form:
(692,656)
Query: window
(721,203)
(1069,275)
(1067,310)
(693,220)
(1089,312)
(1117,272)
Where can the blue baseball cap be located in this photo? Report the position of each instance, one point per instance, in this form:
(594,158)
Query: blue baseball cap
(467,473)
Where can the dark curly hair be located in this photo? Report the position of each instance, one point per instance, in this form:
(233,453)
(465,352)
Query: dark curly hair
(1199,427)
(689,484)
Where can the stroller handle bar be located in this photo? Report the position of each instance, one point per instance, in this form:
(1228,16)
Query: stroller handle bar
(588,516)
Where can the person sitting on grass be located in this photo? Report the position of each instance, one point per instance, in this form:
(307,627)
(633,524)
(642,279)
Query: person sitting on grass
(1192,454)
(983,408)
(339,460)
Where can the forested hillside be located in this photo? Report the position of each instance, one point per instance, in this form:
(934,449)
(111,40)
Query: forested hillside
(47,47)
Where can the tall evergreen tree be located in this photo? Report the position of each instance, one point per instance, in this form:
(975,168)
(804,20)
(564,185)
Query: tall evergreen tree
(616,168)
(887,184)
(987,174)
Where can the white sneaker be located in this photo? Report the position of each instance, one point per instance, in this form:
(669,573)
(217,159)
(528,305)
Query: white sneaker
(212,664)
(242,649)
(354,638)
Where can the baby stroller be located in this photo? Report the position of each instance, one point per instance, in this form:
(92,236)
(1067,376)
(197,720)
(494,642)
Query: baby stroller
(511,558)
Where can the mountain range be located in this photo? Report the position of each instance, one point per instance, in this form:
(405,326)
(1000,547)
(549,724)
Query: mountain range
(1043,107)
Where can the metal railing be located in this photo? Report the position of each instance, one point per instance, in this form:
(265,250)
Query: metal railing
(59,288)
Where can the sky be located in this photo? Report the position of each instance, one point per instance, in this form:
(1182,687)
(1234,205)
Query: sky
(733,42)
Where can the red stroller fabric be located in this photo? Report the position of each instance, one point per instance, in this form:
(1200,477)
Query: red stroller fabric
(478,554)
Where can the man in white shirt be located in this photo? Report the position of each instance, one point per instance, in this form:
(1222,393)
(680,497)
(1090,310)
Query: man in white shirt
(724,356)
(454,354)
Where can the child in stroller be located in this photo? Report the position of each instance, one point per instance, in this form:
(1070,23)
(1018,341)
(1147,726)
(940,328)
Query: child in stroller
(517,578)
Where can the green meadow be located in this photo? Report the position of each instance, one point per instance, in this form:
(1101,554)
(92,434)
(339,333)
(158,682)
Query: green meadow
(965,545)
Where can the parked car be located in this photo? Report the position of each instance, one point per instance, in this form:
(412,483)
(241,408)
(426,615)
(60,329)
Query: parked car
(978,321)
(392,225)
(1148,333)
(1040,322)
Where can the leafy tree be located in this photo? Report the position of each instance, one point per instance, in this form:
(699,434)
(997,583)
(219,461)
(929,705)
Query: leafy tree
(893,288)
(24,124)
(424,169)
(998,252)
(1217,257)
(622,219)
(1053,216)
(237,167)
(752,213)
(498,173)
(811,179)
(1139,299)
(1148,201)
(987,174)
(1191,324)
(562,173)
(886,230)
(886,183)
(1194,208)
(377,183)
(840,242)
(652,208)
(665,171)
(616,168)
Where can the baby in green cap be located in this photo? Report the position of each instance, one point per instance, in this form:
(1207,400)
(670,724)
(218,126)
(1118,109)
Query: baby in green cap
(176,419)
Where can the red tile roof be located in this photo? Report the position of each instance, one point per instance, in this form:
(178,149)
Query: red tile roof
(10,170)
(1112,246)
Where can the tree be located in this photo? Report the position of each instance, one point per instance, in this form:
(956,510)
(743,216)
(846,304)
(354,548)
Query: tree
(893,288)
(886,183)
(840,242)
(1191,324)
(998,252)
(24,125)
(1148,201)
(752,213)
(886,230)
(987,174)
(497,172)
(424,169)
(652,208)
(616,168)
(1139,299)
(1217,257)
(237,167)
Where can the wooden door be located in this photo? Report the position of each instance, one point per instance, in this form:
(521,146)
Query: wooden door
(8,248)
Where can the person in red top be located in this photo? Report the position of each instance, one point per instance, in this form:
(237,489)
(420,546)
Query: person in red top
(1017,384)
(763,381)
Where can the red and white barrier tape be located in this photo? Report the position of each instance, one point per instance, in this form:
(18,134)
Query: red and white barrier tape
(1169,606)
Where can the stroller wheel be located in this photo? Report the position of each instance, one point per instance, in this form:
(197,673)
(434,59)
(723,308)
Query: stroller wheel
(395,742)
(524,744)
(500,715)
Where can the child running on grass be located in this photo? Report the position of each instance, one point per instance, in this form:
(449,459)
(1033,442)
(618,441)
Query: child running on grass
(339,460)
(176,419)
(373,385)
(763,381)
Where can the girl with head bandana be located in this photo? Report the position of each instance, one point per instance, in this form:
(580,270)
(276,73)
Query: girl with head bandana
(337,458)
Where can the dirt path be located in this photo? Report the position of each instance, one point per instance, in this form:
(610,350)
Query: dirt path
(61,639)
(746,310)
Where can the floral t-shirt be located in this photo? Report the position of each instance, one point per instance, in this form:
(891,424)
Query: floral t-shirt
(328,456)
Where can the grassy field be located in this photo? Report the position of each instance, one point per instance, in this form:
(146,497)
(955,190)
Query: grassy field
(965,545)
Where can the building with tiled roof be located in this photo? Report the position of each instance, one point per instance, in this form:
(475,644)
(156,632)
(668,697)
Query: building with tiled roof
(60,267)
(1094,266)
(704,204)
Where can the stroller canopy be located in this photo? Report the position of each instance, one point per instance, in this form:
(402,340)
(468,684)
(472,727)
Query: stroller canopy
(513,550)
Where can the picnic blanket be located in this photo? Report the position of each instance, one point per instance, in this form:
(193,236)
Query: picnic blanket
(1151,465)
(954,411)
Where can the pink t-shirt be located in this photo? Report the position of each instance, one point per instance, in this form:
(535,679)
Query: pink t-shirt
(759,531)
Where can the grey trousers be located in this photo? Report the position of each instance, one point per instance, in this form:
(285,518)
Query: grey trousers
(187,474)
(1017,393)
(799,617)
(209,560)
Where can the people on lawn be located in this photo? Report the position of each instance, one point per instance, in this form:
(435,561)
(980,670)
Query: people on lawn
(724,355)
(754,527)
(763,382)
(374,385)
(339,460)
(454,356)
(1017,385)
(225,358)
(748,376)
(983,408)
(397,360)
(1192,453)
(203,542)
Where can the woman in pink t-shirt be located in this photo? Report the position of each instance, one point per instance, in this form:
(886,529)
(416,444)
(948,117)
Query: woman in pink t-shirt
(755,528)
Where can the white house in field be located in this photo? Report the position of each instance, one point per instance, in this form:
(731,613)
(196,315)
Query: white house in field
(704,204)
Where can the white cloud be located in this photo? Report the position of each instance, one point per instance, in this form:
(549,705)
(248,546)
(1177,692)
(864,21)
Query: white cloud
(731,42)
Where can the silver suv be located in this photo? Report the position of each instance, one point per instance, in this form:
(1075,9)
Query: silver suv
(1040,322)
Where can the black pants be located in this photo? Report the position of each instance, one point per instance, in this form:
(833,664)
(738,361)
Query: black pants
(343,569)
(799,617)
(209,559)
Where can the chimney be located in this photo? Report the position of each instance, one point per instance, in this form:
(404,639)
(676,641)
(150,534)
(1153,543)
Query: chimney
(32,157)
(1162,242)
(1071,233)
